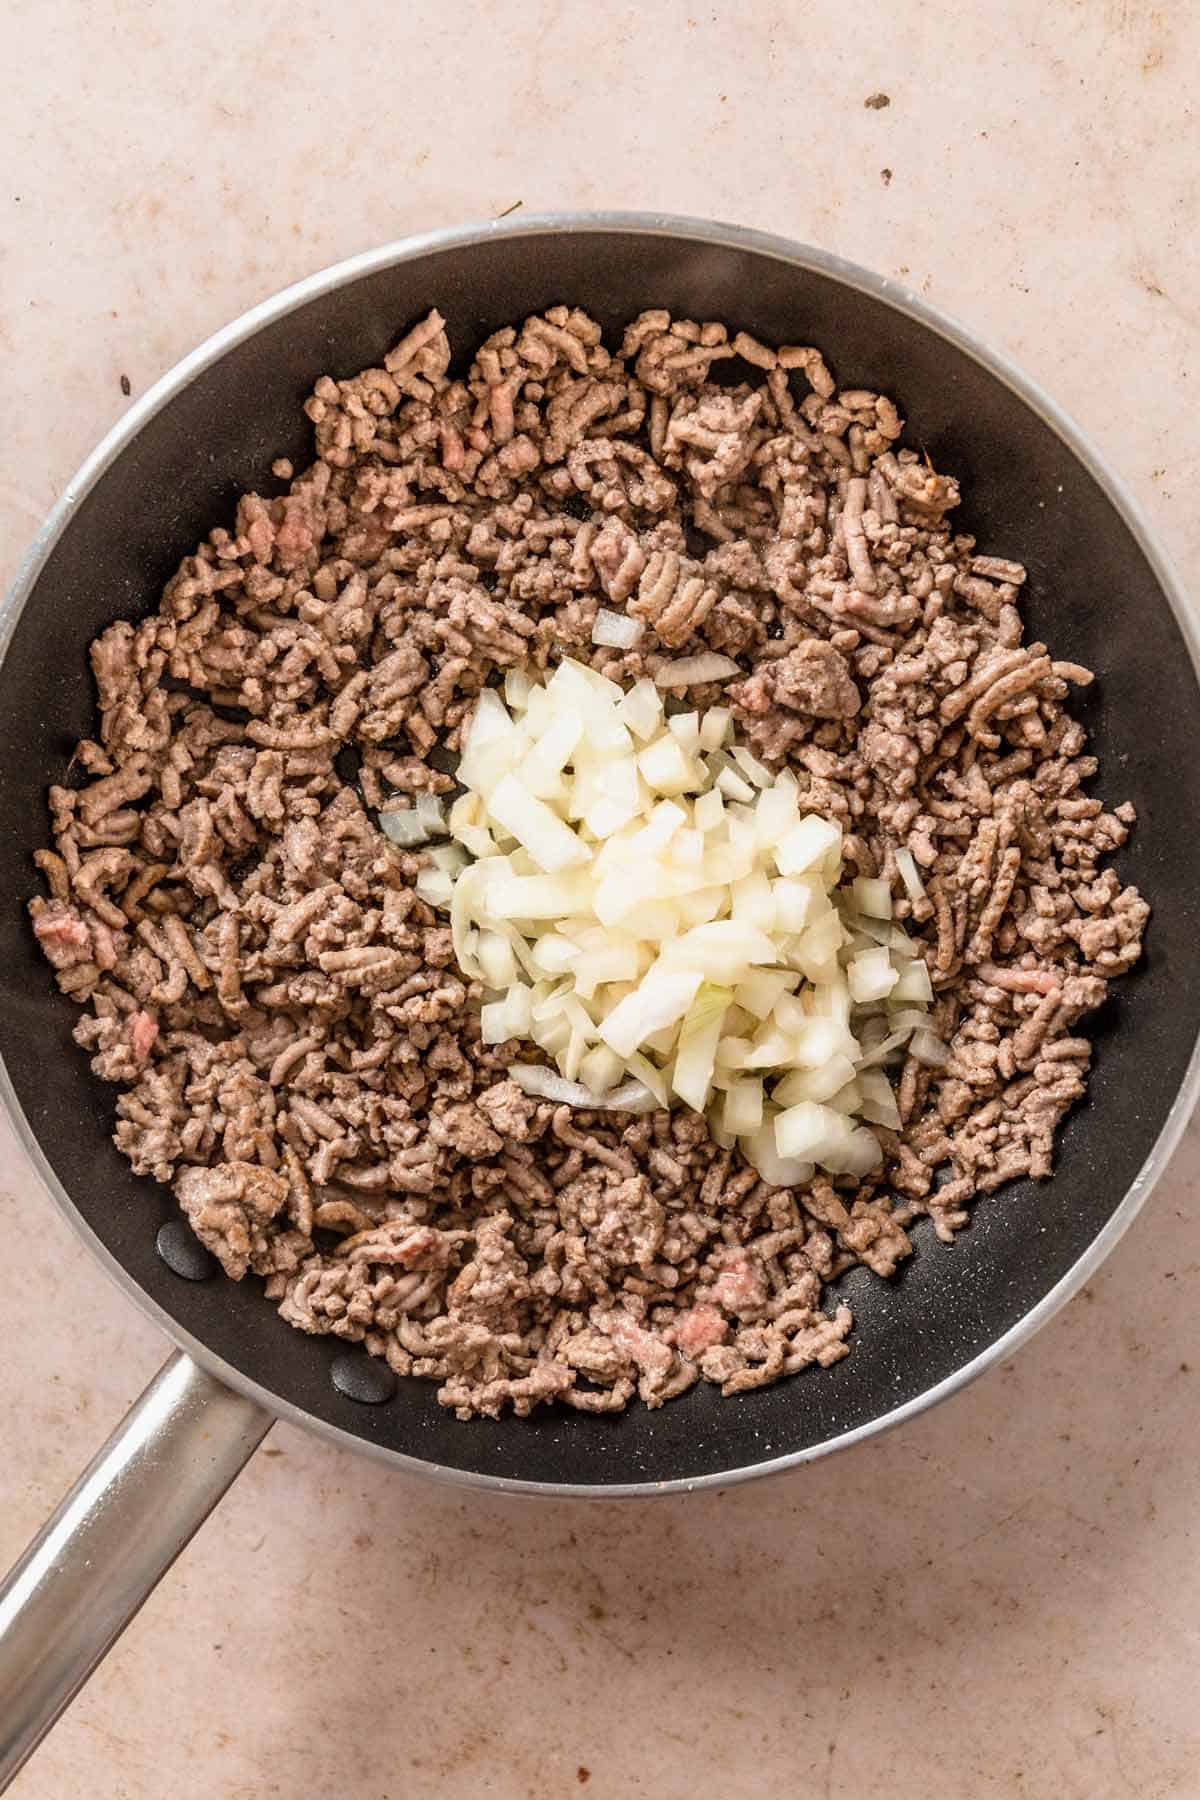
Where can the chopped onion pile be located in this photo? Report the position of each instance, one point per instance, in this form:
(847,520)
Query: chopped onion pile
(649,905)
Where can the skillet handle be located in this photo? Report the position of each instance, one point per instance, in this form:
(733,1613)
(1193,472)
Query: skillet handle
(115,1535)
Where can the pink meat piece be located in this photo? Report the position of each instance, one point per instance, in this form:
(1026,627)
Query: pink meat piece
(454,453)
(142,1030)
(63,935)
(740,1286)
(104,945)
(643,1347)
(699,1330)
(294,537)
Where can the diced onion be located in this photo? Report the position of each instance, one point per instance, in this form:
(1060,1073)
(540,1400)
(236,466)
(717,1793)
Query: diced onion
(812,842)
(743,1107)
(432,814)
(617,630)
(734,786)
(709,810)
(815,1084)
(551,843)
(403,826)
(651,909)
(435,887)
(928,1048)
(872,897)
(913,984)
(601,1069)
(641,709)
(685,727)
(544,1084)
(691,671)
(910,875)
(660,999)
(751,768)
(878,1099)
(870,975)
(760,1149)
(696,1055)
(714,727)
(666,767)
(451,857)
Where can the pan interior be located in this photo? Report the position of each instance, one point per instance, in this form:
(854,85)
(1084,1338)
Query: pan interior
(1092,593)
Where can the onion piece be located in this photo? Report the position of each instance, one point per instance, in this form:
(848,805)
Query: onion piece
(929,1049)
(696,1055)
(872,897)
(721,950)
(709,810)
(502,1020)
(759,990)
(652,908)
(826,1137)
(403,826)
(601,1069)
(551,843)
(751,768)
(910,875)
(814,1084)
(734,786)
(666,767)
(687,849)
(616,630)
(914,984)
(751,901)
(692,671)
(642,709)
(870,975)
(884,1049)
(546,1084)
(878,1103)
(776,812)
(714,727)
(661,997)
(435,887)
(686,728)
(760,1150)
(497,960)
(542,764)
(466,902)
(811,843)
(742,1108)
(432,814)
(642,1069)
(451,857)
(532,897)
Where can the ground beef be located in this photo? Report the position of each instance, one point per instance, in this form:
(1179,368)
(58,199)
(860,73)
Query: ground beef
(296,1050)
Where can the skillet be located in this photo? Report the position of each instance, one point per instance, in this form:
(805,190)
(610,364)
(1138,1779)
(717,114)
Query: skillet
(1100,590)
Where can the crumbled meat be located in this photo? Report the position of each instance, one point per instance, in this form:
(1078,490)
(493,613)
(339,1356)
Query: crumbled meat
(298,1054)
(812,678)
(229,1207)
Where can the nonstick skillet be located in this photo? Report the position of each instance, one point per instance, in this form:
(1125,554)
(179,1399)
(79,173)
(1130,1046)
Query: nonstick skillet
(1099,590)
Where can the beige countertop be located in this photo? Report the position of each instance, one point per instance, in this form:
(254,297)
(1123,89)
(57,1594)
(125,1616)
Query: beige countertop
(1001,1597)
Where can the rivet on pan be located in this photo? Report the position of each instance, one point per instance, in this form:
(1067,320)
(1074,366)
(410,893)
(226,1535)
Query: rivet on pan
(362,1378)
(183,1252)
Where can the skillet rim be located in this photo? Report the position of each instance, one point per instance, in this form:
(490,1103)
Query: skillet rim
(722,236)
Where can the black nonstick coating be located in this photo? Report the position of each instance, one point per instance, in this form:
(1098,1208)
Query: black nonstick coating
(1092,594)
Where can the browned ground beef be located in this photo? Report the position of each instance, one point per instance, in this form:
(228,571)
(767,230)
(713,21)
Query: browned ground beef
(296,1049)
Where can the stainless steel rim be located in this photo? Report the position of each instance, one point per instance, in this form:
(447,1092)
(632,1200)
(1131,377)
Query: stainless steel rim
(798,256)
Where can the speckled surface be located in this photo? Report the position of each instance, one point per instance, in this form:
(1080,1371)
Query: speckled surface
(1001,1597)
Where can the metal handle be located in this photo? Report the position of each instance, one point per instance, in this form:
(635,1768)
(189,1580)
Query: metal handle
(112,1540)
